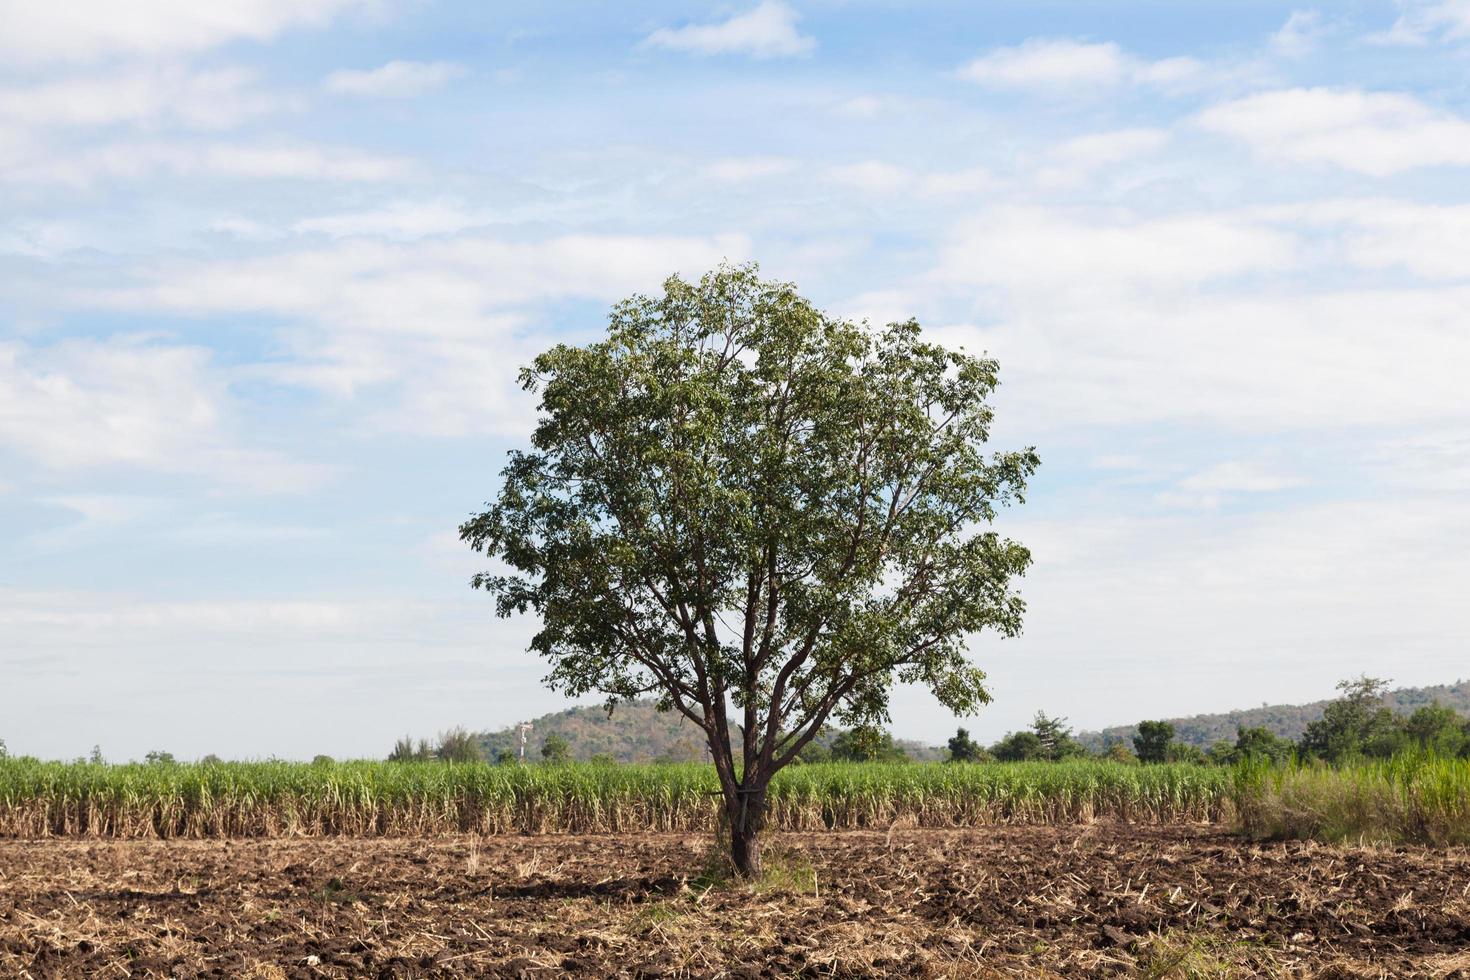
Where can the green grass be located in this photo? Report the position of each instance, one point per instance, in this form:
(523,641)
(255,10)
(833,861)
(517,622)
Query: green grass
(1411,799)
(40,799)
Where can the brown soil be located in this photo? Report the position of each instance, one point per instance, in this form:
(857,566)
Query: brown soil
(1101,900)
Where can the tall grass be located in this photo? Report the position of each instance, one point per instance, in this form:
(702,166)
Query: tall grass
(1413,798)
(1408,799)
(40,799)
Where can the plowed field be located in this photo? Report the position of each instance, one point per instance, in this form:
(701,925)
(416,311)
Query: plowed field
(1099,900)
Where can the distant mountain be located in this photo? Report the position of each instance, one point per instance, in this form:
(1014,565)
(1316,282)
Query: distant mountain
(1287,720)
(636,732)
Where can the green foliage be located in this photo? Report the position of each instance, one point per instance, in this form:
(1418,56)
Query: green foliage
(866,743)
(554,749)
(736,499)
(157,757)
(404,750)
(1438,729)
(1019,747)
(1261,743)
(1356,724)
(1152,741)
(458,745)
(1118,752)
(1055,737)
(962,748)
(1184,752)
(1049,739)
(817,750)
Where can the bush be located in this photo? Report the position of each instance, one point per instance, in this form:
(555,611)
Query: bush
(555,749)
(458,745)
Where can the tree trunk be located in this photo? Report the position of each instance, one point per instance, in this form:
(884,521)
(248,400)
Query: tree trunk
(747,815)
(745,851)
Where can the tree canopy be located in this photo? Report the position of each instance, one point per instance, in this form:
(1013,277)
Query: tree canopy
(760,514)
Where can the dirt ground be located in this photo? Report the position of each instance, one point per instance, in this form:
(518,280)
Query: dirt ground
(1100,900)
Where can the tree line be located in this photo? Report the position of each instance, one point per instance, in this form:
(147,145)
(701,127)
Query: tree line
(1355,725)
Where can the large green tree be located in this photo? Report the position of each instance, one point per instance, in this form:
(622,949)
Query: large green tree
(761,514)
(1152,741)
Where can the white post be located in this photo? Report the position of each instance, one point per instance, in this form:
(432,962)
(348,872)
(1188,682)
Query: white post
(523,728)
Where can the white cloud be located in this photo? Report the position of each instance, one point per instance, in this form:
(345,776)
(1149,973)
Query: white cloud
(1428,241)
(1374,133)
(1209,488)
(958,182)
(135,160)
(396,79)
(89,30)
(1239,477)
(80,404)
(860,107)
(1073,160)
(440,320)
(878,177)
(1299,35)
(767,31)
(1067,65)
(871,176)
(1084,253)
(204,99)
(1101,318)
(1425,20)
(401,220)
(736,170)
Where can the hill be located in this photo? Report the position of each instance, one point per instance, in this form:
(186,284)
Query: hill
(636,732)
(1286,720)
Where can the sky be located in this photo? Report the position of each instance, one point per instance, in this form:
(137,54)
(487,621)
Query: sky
(268,268)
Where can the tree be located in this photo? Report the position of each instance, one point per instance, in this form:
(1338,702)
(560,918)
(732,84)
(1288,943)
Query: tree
(404,750)
(1184,752)
(1261,743)
(1436,728)
(866,743)
(1055,736)
(962,748)
(157,757)
(1222,753)
(1355,724)
(1118,752)
(761,514)
(458,745)
(1019,747)
(1152,741)
(555,749)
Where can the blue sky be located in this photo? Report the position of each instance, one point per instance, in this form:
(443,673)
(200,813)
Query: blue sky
(267,270)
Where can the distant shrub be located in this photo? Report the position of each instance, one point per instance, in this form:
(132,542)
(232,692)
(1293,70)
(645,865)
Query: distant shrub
(458,745)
